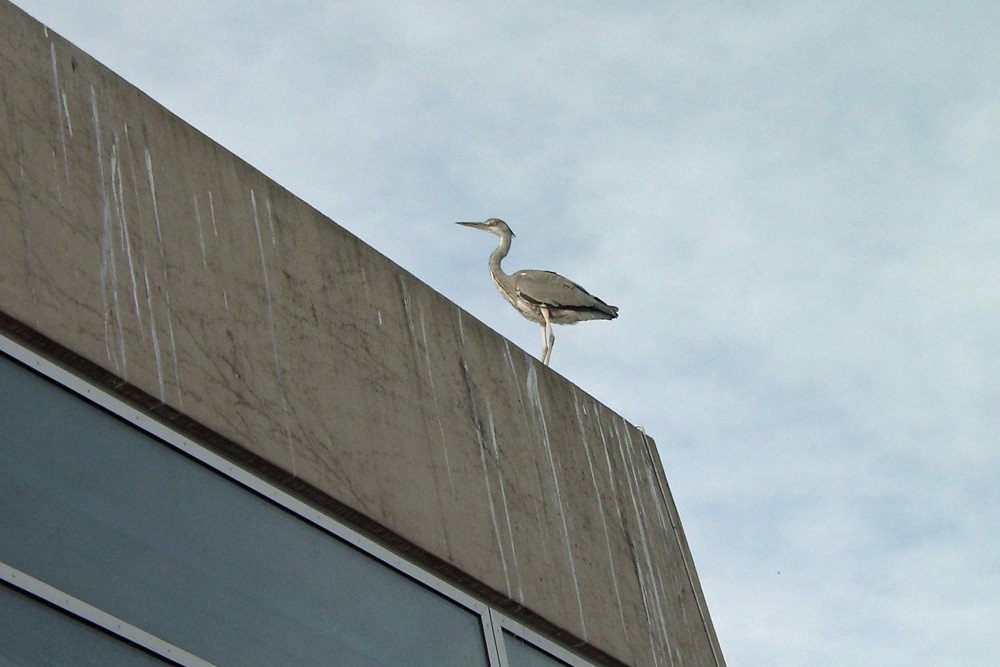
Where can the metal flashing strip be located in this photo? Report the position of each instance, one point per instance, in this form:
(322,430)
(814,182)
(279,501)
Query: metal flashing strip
(502,623)
(91,614)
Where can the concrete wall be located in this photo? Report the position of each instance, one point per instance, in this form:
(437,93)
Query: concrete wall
(146,250)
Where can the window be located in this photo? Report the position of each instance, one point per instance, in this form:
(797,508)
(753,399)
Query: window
(35,633)
(138,537)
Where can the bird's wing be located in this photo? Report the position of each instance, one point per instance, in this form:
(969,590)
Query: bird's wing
(550,289)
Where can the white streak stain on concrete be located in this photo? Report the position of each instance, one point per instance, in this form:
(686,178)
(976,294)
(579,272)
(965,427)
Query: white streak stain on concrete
(647,587)
(166,278)
(486,477)
(112,169)
(437,408)
(109,312)
(527,424)
(536,399)
(411,330)
(152,194)
(201,234)
(211,213)
(503,497)
(650,590)
(69,121)
(624,523)
(61,109)
(643,464)
(131,170)
(427,352)
(653,486)
(493,514)
(600,508)
(513,370)
(144,262)
(653,483)
(274,337)
(118,192)
(153,335)
(513,374)
(659,587)
(270,220)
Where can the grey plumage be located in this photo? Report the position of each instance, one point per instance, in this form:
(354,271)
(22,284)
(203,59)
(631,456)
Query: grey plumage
(543,297)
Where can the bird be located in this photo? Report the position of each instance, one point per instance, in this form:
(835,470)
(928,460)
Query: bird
(543,297)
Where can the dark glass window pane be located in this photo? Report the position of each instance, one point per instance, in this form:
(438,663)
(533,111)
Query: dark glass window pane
(96,507)
(522,654)
(33,633)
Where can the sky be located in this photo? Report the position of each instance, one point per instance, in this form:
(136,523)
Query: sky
(796,206)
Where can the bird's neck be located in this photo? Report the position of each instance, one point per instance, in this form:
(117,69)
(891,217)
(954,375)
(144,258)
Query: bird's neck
(498,255)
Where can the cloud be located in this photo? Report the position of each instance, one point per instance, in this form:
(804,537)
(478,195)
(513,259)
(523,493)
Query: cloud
(794,206)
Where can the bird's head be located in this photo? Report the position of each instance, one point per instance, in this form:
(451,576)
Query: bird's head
(493,225)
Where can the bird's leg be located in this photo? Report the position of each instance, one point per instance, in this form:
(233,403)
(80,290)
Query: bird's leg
(548,338)
(545,345)
(552,342)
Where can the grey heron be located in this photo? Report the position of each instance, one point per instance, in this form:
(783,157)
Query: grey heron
(543,297)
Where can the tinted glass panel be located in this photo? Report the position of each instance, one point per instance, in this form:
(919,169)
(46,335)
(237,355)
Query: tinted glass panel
(33,633)
(101,510)
(522,654)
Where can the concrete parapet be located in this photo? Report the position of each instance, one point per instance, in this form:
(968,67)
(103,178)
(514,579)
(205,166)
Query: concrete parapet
(136,243)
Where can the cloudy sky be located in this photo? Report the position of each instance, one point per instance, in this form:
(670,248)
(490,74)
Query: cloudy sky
(795,205)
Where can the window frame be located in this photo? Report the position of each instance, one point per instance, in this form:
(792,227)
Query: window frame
(27,585)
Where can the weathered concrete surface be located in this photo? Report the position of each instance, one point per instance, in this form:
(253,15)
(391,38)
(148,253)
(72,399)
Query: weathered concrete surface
(136,242)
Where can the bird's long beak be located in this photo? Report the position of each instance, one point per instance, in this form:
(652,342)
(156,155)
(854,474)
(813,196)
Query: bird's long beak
(480,225)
